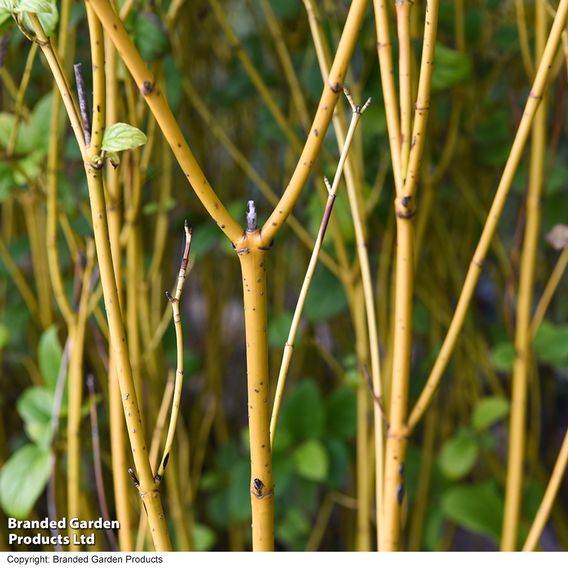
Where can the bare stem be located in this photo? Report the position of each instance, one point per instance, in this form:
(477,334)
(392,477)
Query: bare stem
(174,300)
(332,191)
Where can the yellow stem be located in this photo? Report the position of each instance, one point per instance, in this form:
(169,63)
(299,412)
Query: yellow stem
(404,79)
(147,487)
(548,500)
(520,378)
(76,380)
(384,49)
(253,259)
(502,192)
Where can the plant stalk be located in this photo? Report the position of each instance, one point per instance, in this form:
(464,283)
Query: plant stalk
(252,259)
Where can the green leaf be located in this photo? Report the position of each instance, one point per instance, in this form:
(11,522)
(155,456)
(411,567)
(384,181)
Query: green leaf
(451,67)
(293,529)
(421,320)
(303,412)
(311,460)
(7,183)
(158,206)
(8,5)
(4,336)
(458,455)
(477,508)
(37,130)
(341,413)
(488,411)
(239,497)
(204,537)
(36,405)
(48,19)
(34,6)
(278,329)
(204,239)
(285,10)
(7,121)
(339,460)
(217,509)
(326,297)
(50,355)
(556,179)
(6,19)
(149,35)
(23,479)
(122,136)
(503,357)
(434,523)
(551,344)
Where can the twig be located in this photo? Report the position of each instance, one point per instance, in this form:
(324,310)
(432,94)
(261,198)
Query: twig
(83,101)
(332,190)
(174,300)
(378,399)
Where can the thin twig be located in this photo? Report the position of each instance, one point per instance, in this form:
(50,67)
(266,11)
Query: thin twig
(378,399)
(174,300)
(83,101)
(332,190)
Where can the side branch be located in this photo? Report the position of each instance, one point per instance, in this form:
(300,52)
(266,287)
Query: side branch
(332,191)
(174,300)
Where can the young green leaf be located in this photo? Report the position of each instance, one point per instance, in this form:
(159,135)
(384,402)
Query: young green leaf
(204,537)
(503,356)
(551,344)
(278,329)
(34,6)
(36,405)
(311,460)
(4,335)
(451,67)
(458,455)
(50,354)
(488,411)
(23,479)
(122,136)
(341,413)
(303,413)
(478,508)
(8,5)
(48,19)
